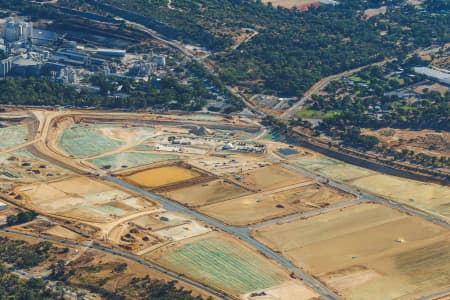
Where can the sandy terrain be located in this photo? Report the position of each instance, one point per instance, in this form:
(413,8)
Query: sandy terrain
(154,221)
(153,230)
(162,176)
(182,232)
(424,141)
(129,135)
(436,87)
(367,251)
(271,177)
(372,12)
(206,193)
(426,196)
(232,164)
(62,232)
(290,3)
(291,290)
(268,205)
(82,198)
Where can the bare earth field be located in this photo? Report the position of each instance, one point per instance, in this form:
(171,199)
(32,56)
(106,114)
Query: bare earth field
(162,176)
(430,197)
(263,206)
(292,290)
(271,177)
(367,251)
(153,230)
(424,141)
(435,87)
(291,3)
(372,12)
(206,193)
(82,198)
(232,164)
(62,232)
(426,196)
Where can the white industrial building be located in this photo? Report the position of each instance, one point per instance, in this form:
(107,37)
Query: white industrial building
(442,76)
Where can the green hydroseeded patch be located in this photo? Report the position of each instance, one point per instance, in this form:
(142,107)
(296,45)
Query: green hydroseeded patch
(12,136)
(130,159)
(224,265)
(84,142)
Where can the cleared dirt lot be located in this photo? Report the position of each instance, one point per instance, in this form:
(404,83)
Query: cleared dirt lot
(426,196)
(424,141)
(163,176)
(206,193)
(271,177)
(263,206)
(82,198)
(291,3)
(367,251)
(292,290)
(430,197)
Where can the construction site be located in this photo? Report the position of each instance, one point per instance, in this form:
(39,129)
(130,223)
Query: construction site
(212,199)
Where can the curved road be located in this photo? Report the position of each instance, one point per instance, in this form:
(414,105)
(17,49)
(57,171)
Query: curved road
(318,86)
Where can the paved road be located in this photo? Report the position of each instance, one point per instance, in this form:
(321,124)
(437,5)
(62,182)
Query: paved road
(369,197)
(125,255)
(240,232)
(318,86)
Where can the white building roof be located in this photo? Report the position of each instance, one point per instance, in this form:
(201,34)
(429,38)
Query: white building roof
(439,75)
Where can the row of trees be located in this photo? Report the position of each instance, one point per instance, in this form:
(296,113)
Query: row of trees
(164,94)
(21,218)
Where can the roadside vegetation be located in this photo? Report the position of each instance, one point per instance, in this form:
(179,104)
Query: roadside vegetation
(20,218)
(164,94)
(24,256)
